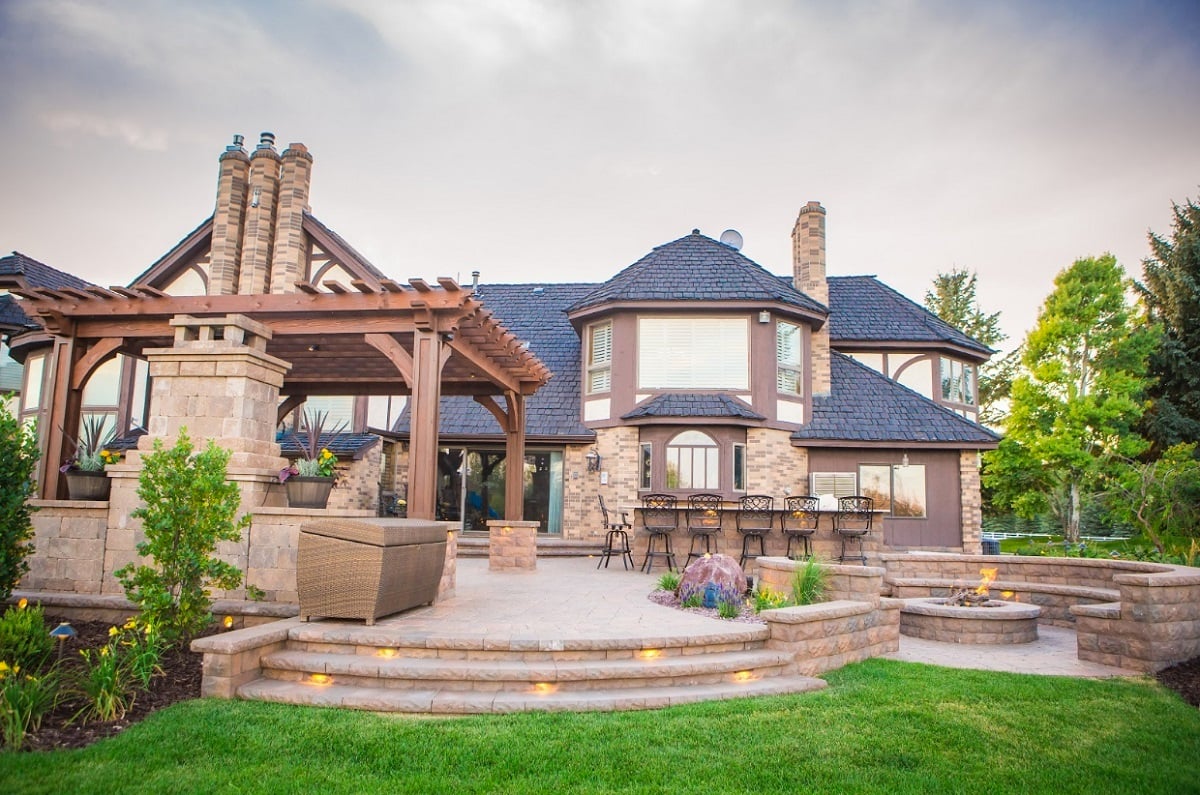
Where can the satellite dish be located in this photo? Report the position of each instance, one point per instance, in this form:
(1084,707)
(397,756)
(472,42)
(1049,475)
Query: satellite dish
(732,238)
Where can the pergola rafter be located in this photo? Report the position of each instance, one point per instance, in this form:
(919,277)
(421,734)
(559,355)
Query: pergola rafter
(383,338)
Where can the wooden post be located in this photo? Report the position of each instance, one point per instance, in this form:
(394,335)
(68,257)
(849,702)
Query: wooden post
(63,420)
(423,436)
(514,456)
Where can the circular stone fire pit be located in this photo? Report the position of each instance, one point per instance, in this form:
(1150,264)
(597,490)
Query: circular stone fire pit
(993,621)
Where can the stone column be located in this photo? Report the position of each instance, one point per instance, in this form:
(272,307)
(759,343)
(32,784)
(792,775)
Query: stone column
(512,545)
(808,276)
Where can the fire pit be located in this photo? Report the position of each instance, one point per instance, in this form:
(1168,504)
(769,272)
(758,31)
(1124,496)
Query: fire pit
(970,616)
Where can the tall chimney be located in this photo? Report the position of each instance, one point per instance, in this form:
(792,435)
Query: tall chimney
(808,276)
(260,217)
(289,261)
(229,218)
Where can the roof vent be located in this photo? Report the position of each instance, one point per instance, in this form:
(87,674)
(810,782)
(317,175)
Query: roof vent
(266,140)
(695,231)
(539,290)
(732,238)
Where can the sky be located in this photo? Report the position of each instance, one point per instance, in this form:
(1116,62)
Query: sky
(548,141)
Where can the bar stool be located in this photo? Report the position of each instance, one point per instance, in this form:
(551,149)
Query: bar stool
(852,522)
(616,539)
(799,520)
(659,518)
(703,523)
(754,519)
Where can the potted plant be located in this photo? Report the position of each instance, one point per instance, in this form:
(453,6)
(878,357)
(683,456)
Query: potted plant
(311,477)
(86,478)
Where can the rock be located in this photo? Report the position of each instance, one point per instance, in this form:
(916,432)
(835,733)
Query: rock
(721,571)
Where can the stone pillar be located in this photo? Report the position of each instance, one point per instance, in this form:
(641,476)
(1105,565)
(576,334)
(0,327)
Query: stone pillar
(254,277)
(808,276)
(289,259)
(512,545)
(972,501)
(229,219)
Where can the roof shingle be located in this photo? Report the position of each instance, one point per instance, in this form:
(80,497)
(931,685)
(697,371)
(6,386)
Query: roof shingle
(696,268)
(692,405)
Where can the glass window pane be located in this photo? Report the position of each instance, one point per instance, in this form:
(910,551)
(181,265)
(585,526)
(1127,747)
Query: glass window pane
(693,353)
(909,491)
(31,395)
(875,482)
(644,481)
(712,468)
(104,384)
(739,467)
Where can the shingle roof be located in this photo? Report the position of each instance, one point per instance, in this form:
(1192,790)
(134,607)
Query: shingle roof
(690,405)
(343,445)
(696,268)
(864,309)
(11,314)
(37,274)
(864,406)
(536,313)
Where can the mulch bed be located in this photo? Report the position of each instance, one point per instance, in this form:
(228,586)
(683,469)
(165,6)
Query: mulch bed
(182,676)
(180,681)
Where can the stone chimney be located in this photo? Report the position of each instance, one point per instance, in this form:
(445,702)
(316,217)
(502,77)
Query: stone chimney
(808,276)
(289,262)
(255,272)
(229,219)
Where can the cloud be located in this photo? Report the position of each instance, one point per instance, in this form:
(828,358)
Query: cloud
(69,124)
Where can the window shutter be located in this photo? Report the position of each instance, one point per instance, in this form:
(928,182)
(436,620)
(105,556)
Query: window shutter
(693,353)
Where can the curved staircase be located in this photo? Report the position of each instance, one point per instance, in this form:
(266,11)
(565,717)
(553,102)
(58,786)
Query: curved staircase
(389,670)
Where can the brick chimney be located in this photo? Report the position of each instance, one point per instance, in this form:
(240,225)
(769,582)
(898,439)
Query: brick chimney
(260,217)
(808,276)
(229,219)
(289,261)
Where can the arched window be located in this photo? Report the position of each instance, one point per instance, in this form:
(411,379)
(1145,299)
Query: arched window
(693,461)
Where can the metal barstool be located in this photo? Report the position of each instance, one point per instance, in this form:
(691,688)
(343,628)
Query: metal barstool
(852,522)
(703,523)
(660,518)
(799,520)
(616,539)
(754,519)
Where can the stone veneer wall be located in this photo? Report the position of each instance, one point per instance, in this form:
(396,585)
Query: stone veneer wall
(68,543)
(972,501)
(829,635)
(773,465)
(618,449)
(357,487)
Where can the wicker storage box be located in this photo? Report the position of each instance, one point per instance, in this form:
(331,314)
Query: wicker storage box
(368,568)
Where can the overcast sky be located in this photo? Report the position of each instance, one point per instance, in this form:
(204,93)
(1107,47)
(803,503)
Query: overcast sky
(561,141)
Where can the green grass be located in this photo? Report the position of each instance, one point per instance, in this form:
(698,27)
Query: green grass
(881,726)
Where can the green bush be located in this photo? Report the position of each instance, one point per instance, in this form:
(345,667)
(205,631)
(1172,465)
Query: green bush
(25,697)
(809,583)
(189,507)
(18,460)
(669,582)
(24,640)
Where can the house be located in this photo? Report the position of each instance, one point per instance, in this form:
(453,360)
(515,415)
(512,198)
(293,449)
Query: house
(691,370)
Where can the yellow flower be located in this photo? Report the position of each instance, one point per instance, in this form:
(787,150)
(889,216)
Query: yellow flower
(112,631)
(3,667)
(21,604)
(130,624)
(103,651)
(325,453)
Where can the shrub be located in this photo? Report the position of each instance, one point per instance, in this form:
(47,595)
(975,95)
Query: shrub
(669,582)
(809,583)
(24,698)
(105,684)
(18,460)
(766,599)
(24,641)
(189,507)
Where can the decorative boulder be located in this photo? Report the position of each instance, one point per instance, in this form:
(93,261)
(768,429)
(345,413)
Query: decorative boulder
(720,571)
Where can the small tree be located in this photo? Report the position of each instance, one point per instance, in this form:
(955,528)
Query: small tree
(1160,498)
(18,458)
(189,507)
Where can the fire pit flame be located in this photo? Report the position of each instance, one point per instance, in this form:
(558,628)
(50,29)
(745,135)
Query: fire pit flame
(979,596)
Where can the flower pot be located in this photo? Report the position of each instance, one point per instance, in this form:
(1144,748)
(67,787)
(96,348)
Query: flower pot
(83,485)
(305,492)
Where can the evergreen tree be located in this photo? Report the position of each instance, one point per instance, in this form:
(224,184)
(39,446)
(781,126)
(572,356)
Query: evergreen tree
(1172,294)
(1074,409)
(954,299)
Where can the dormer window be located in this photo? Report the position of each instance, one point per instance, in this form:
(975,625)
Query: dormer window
(789,358)
(693,353)
(599,361)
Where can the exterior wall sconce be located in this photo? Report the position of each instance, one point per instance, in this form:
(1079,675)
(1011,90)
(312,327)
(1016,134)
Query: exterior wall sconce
(904,460)
(764,316)
(593,460)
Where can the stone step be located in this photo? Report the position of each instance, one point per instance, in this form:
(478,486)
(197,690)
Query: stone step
(546,698)
(363,670)
(475,545)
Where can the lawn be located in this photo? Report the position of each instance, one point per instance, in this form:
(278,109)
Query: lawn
(881,726)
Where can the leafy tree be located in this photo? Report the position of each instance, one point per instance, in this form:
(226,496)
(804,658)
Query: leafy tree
(1075,407)
(1160,498)
(1172,294)
(954,299)
(18,457)
(189,507)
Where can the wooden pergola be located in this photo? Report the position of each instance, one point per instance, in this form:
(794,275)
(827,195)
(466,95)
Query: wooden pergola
(382,338)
